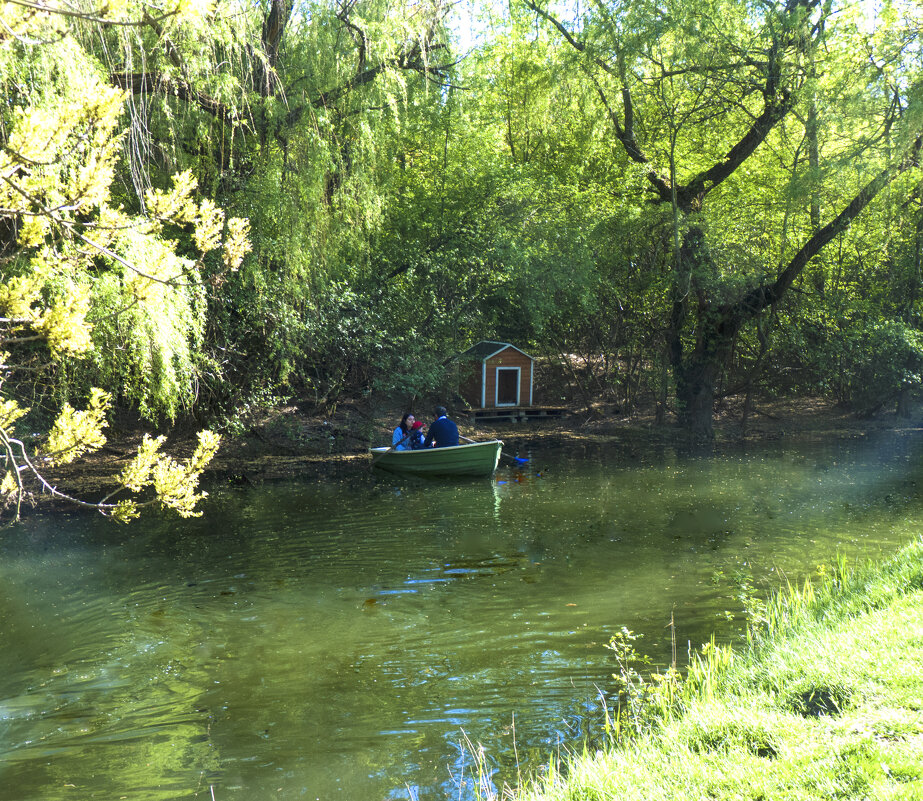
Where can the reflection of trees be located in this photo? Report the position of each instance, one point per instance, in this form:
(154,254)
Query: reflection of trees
(351,648)
(129,724)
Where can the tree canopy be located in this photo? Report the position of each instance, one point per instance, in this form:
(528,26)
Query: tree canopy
(208,206)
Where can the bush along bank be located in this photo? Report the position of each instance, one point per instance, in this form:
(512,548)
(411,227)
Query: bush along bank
(825,700)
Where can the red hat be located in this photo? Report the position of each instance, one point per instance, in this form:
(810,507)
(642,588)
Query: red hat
(416,425)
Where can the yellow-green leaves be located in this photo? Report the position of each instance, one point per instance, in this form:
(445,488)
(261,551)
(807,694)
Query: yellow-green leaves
(125,511)
(85,272)
(10,412)
(17,295)
(174,483)
(59,156)
(77,432)
(209,225)
(8,488)
(138,474)
(177,204)
(237,243)
(65,325)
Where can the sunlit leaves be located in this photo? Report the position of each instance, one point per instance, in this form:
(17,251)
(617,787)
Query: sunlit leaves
(64,323)
(77,431)
(174,482)
(8,488)
(17,296)
(237,243)
(59,157)
(10,412)
(137,474)
(56,174)
(176,204)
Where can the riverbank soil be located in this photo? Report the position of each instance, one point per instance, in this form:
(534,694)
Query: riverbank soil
(296,440)
(289,435)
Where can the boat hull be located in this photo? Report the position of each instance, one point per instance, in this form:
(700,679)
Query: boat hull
(476,459)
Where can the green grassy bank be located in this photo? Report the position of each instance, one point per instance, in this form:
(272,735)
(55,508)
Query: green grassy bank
(825,700)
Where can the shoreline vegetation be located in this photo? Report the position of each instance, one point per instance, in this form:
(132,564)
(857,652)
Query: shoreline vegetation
(822,701)
(296,441)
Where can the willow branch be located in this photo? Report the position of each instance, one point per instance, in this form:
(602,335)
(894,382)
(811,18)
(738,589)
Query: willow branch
(140,82)
(88,17)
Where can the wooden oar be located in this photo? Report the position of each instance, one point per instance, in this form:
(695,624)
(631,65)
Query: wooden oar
(517,459)
(377,456)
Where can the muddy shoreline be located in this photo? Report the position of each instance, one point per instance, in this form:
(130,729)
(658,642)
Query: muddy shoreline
(295,442)
(290,443)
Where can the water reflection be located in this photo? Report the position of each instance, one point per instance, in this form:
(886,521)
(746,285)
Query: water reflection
(335,641)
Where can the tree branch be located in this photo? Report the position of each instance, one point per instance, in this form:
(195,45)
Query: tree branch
(693,193)
(89,17)
(661,184)
(766,295)
(142,82)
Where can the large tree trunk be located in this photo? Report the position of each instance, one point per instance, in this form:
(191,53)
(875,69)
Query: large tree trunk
(903,403)
(696,372)
(695,395)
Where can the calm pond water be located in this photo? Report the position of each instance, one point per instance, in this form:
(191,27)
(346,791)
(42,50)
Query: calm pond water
(340,641)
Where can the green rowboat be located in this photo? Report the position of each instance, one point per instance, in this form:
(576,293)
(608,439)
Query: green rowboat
(476,459)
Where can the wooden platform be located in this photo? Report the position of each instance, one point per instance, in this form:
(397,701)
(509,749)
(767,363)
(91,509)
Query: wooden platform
(516,414)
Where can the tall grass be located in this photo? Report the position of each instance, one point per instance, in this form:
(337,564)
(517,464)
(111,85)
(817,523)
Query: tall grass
(807,708)
(836,592)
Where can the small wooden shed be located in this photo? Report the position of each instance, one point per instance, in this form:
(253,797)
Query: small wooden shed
(498,374)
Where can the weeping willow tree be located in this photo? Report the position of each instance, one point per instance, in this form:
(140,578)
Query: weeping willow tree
(284,113)
(84,280)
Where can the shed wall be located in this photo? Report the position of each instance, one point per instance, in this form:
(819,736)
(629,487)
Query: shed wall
(508,357)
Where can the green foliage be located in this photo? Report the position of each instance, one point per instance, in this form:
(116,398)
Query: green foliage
(403,205)
(81,276)
(876,362)
(862,364)
(146,338)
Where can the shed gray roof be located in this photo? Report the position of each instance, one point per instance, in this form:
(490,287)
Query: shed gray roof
(485,349)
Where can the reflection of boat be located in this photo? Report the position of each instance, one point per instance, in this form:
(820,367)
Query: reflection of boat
(476,459)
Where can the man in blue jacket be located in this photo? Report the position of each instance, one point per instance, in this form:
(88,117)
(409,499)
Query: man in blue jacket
(442,432)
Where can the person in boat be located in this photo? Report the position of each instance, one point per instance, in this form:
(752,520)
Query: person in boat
(443,433)
(400,439)
(416,436)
